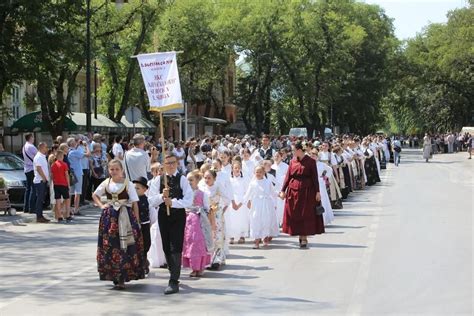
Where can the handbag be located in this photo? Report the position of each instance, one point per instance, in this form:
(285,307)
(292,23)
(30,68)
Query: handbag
(319,210)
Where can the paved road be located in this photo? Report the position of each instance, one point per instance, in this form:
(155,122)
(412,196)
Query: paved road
(402,247)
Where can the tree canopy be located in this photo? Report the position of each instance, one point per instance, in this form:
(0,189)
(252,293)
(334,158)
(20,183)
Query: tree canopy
(300,62)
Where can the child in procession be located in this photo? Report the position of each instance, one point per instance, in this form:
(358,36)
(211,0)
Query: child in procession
(237,215)
(156,254)
(120,246)
(141,185)
(197,233)
(260,201)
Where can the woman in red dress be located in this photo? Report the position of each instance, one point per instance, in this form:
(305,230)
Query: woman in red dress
(301,190)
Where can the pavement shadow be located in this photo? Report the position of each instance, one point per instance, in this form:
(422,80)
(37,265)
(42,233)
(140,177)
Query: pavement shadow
(234,256)
(192,290)
(336,246)
(238,267)
(222,275)
(344,226)
(348,213)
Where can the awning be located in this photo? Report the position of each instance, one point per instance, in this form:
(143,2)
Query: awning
(203,119)
(100,124)
(33,122)
(142,125)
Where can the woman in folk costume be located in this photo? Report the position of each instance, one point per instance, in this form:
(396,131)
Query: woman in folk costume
(427,147)
(361,179)
(340,174)
(260,200)
(120,256)
(219,199)
(323,172)
(237,214)
(370,164)
(346,168)
(374,147)
(197,233)
(351,156)
(326,157)
(281,168)
(301,190)
(156,256)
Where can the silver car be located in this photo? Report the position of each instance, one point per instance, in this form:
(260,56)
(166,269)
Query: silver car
(11,169)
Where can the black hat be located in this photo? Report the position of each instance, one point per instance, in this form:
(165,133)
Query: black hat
(143,181)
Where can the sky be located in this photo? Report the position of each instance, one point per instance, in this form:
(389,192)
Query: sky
(412,15)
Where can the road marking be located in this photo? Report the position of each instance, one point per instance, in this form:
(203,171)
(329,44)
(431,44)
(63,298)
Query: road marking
(362,279)
(7,302)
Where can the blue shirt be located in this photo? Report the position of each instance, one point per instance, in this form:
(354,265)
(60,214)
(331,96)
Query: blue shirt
(75,157)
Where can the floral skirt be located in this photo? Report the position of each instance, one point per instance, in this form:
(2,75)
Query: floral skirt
(113,263)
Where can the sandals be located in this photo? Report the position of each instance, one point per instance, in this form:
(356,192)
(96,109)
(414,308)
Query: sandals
(193,274)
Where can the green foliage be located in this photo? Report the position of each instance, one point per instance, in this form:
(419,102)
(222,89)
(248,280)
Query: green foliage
(433,88)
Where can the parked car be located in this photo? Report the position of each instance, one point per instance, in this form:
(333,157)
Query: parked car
(11,170)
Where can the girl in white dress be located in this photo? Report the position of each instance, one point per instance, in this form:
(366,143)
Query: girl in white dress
(281,168)
(237,215)
(219,199)
(324,171)
(156,256)
(248,166)
(259,197)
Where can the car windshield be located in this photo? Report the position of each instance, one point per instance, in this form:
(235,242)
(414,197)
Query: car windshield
(10,163)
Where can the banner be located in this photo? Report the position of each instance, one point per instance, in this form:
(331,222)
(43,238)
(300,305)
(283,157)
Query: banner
(161,79)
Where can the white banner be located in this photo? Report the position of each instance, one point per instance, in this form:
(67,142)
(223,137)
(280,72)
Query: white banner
(161,79)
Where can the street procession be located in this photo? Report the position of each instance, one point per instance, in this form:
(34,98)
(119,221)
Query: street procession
(236,157)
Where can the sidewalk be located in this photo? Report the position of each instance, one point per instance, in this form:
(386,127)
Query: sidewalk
(21,218)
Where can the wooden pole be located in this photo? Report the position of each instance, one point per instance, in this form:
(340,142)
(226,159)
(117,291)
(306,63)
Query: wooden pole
(163,156)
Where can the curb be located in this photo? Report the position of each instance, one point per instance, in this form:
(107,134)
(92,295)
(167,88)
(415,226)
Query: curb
(30,218)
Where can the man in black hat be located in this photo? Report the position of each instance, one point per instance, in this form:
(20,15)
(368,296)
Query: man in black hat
(176,196)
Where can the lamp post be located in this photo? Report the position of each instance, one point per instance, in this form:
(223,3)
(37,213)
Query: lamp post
(88,67)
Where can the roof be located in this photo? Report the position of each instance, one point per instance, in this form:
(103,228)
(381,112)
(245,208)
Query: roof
(100,124)
(33,122)
(142,125)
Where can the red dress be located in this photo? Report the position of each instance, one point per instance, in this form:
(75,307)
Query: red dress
(301,185)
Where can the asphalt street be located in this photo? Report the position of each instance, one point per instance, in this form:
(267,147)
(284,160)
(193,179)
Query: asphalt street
(402,247)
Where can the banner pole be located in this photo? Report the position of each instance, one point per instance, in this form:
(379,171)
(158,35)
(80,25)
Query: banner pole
(163,156)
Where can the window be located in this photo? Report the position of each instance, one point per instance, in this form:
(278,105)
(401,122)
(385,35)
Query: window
(16,102)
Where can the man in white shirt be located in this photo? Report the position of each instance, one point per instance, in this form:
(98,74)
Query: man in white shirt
(137,160)
(117,149)
(29,152)
(177,196)
(40,181)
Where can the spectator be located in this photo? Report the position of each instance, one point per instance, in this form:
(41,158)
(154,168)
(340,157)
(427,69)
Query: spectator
(60,177)
(97,166)
(117,149)
(86,176)
(77,151)
(136,160)
(29,152)
(40,181)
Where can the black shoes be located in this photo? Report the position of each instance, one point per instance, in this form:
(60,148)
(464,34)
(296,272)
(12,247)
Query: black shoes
(172,288)
(214,267)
